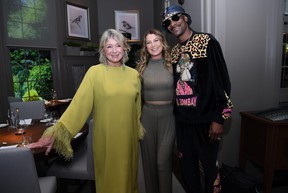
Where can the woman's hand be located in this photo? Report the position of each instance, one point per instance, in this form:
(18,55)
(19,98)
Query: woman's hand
(43,142)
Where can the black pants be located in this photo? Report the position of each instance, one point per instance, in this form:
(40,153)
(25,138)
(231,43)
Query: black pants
(194,145)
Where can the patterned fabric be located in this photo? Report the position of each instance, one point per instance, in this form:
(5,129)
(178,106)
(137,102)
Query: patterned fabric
(197,47)
(202,80)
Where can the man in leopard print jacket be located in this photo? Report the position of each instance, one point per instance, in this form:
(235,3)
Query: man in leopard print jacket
(202,86)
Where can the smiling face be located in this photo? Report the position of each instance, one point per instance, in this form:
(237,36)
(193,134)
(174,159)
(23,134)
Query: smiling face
(180,27)
(154,46)
(113,52)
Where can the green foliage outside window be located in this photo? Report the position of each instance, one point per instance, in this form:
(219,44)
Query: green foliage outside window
(32,74)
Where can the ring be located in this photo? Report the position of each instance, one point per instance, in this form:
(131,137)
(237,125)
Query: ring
(219,138)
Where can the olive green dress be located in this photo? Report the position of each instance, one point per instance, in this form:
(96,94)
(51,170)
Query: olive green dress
(113,95)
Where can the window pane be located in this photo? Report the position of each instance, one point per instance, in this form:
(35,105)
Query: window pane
(40,16)
(15,16)
(30,23)
(15,30)
(28,3)
(32,74)
(28,15)
(284,79)
(29,32)
(40,4)
(284,65)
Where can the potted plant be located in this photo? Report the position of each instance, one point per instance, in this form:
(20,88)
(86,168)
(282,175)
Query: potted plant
(89,49)
(72,48)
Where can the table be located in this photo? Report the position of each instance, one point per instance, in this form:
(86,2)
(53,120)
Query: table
(58,105)
(8,137)
(265,142)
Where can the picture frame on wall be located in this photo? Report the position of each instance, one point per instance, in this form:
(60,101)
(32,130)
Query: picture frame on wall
(127,22)
(78,22)
(286,7)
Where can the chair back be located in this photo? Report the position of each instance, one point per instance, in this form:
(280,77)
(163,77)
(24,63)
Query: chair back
(90,157)
(18,171)
(82,164)
(29,109)
(14,99)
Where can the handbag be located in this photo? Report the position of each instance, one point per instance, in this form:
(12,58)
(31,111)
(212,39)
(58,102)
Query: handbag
(236,180)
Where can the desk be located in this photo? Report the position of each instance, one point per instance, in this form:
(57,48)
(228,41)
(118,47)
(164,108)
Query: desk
(264,142)
(35,130)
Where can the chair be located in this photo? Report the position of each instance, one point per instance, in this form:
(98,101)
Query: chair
(29,109)
(14,99)
(81,167)
(18,173)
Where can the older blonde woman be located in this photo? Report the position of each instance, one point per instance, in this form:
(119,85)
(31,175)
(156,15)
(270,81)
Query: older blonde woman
(112,91)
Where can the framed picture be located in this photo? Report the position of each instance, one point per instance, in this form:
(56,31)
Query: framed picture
(127,22)
(78,24)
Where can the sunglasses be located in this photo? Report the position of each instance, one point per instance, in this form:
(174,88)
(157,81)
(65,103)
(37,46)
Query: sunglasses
(167,22)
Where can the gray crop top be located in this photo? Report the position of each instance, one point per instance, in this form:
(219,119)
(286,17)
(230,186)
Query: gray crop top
(158,82)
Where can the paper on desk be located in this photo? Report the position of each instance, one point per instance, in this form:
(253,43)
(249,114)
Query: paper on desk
(78,134)
(8,146)
(25,122)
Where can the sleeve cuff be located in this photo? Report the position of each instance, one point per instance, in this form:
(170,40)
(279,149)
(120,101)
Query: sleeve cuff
(63,138)
(218,119)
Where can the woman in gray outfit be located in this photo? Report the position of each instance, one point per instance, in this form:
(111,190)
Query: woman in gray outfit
(157,117)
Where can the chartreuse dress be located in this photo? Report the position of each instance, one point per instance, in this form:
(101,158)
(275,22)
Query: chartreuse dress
(113,95)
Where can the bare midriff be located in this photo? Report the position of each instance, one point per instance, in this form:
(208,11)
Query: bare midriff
(158,102)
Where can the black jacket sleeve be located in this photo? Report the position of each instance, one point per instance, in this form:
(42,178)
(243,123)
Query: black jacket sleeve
(221,81)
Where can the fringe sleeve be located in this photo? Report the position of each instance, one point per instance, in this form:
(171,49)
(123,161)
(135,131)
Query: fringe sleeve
(63,138)
(141,131)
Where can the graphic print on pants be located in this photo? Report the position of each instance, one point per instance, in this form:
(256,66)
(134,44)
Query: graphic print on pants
(188,77)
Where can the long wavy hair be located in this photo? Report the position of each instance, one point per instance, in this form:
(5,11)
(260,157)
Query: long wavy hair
(145,55)
(118,37)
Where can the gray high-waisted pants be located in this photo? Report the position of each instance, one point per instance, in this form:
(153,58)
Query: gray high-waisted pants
(157,147)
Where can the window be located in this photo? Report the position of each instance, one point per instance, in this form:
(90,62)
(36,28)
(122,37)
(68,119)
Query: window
(32,74)
(284,67)
(30,23)
(284,64)
(26,18)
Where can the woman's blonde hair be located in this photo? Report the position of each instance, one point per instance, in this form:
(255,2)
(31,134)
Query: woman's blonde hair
(118,37)
(145,55)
